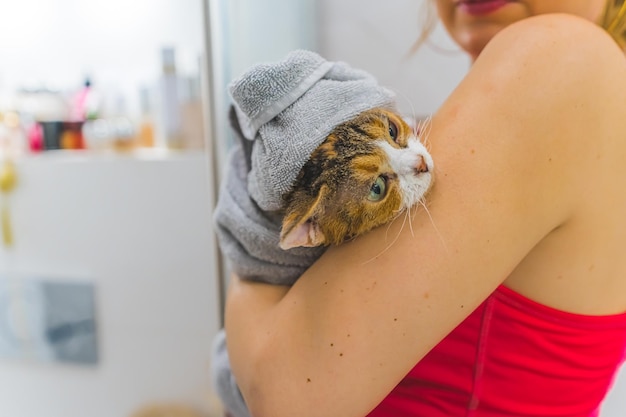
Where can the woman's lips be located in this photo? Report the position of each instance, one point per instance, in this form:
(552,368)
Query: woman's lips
(481,7)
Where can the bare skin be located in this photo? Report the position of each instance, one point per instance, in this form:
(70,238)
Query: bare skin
(529,193)
(472,32)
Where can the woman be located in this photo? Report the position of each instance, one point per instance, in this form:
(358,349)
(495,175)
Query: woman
(509,296)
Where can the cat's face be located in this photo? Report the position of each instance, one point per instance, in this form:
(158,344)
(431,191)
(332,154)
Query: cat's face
(366,172)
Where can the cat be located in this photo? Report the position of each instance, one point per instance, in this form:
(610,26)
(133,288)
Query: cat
(367,171)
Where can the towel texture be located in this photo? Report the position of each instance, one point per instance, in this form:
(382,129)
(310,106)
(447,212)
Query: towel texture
(281,113)
(248,236)
(289,107)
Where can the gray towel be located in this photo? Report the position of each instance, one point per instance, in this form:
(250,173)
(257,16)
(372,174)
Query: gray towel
(223,379)
(282,112)
(289,107)
(248,236)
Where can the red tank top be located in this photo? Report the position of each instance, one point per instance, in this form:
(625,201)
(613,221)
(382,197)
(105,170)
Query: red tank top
(514,357)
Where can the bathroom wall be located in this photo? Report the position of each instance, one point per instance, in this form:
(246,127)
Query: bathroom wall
(378,37)
(137,229)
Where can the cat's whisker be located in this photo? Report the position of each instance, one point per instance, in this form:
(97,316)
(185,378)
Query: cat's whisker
(389,225)
(416,211)
(392,243)
(424,130)
(425,127)
(403,223)
(422,202)
(401,228)
(413,112)
(408,215)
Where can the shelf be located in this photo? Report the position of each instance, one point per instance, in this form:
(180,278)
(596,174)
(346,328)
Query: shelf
(87,156)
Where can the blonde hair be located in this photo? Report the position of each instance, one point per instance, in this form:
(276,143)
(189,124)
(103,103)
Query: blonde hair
(613,21)
(428,22)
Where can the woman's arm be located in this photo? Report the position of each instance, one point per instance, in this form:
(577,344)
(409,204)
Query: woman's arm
(510,148)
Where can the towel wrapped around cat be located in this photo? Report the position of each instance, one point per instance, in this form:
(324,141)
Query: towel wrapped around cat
(282,112)
(285,110)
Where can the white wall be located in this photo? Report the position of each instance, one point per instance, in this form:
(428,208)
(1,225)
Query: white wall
(378,37)
(615,404)
(140,230)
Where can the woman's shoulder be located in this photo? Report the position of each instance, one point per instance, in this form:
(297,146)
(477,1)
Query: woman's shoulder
(559,21)
(559,33)
(549,93)
(551,87)
(550,73)
(561,76)
(566,46)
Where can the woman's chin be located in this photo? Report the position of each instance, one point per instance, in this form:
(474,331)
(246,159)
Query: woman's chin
(473,41)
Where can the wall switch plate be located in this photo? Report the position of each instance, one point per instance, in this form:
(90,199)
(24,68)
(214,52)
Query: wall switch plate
(48,320)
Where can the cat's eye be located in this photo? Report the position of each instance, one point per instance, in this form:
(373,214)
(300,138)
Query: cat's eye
(378,189)
(393,131)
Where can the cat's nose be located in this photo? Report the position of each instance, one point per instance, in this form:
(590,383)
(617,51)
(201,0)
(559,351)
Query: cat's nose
(421,165)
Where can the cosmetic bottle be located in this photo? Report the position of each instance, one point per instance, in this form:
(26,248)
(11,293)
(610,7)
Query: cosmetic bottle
(192,121)
(170,116)
(145,128)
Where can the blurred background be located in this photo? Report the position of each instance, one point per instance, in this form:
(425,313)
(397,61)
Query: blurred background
(112,137)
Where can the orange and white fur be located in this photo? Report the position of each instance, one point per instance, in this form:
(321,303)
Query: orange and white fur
(368,171)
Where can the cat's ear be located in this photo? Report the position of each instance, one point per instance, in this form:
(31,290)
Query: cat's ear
(301,229)
(305,234)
